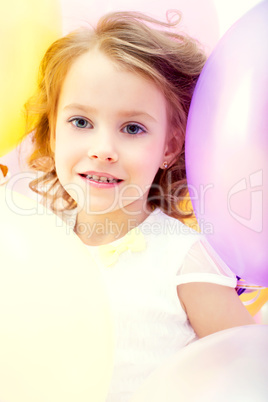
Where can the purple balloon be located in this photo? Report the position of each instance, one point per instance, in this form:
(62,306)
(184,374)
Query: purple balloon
(227,147)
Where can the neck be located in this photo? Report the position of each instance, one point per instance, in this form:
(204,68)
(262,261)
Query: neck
(97,229)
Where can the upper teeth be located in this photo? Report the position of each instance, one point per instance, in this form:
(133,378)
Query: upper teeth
(101,179)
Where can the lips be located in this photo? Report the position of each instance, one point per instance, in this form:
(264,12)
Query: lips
(100,177)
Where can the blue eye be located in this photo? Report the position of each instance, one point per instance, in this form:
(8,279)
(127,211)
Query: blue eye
(134,129)
(80,122)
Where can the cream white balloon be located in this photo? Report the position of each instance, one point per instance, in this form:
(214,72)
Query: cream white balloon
(55,327)
(230,365)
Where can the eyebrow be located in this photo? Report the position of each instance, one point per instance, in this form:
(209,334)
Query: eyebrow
(78,106)
(123,113)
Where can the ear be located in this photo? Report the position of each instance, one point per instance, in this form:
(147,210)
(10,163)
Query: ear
(172,149)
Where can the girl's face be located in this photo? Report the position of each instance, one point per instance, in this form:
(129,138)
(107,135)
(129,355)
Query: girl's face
(110,135)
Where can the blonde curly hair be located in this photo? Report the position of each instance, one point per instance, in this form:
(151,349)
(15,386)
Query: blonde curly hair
(138,43)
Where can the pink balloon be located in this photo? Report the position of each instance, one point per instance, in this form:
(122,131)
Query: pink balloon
(227,147)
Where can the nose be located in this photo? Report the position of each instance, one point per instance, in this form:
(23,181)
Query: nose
(103,148)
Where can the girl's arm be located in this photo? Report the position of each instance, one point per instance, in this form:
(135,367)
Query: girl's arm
(211,308)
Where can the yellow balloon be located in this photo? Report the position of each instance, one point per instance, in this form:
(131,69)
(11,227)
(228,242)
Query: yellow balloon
(255,300)
(185,206)
(27,28)
(56,340)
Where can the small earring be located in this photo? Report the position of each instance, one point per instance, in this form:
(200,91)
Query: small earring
(165,165)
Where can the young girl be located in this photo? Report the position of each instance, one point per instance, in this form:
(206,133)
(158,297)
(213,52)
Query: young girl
(108,125)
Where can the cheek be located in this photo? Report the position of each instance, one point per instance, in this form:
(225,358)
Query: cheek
(152,155)
(147,163)
(64,160)
(65,151)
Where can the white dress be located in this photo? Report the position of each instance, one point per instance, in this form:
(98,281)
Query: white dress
(150,323)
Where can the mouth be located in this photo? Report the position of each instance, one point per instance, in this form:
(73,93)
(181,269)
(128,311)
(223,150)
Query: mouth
(100,179)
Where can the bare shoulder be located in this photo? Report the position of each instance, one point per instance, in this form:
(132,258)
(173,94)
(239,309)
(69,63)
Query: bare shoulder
(211,308)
